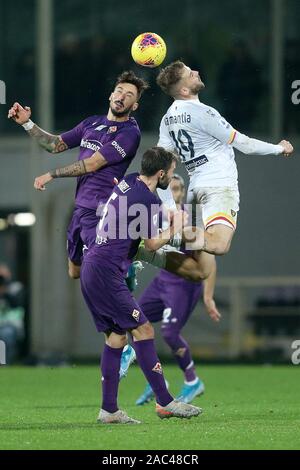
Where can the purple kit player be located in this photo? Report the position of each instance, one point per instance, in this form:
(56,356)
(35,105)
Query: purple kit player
(130,214)
(107,144)
(171,300)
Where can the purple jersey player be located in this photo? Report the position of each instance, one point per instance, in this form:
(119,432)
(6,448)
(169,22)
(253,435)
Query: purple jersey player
(107,146)
(130,214)
(171,300)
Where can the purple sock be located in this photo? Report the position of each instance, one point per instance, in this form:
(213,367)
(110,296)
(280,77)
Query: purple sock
(181,351)
(151,367)
(110,366)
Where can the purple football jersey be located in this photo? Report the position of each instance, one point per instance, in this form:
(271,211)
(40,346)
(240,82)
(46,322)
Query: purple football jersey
(116,141)
(130,214)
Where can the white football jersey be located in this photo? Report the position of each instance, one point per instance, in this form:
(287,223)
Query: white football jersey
(202,138)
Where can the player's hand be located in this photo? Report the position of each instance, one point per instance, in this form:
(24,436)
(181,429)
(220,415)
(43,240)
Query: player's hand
(41,181)
(212,310)
(288,149)
(178,220)
(19,114)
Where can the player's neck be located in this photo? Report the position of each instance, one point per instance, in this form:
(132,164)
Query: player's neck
(186,98)
(111,117)
(149,181)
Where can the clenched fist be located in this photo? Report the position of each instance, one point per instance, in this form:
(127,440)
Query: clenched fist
(19,114)
(287,148)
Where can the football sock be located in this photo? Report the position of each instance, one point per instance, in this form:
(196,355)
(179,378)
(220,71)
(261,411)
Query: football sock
(110,365)
(181,352)
(151,367)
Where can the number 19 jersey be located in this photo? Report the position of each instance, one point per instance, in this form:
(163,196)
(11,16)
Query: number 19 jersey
(202,138)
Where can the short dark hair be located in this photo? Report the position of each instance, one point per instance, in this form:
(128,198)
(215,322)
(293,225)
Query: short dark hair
(170,76)
(129,77)
(155,159)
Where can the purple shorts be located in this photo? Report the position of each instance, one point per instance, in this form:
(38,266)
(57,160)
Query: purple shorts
(171,302)
(81,231)
(111,304)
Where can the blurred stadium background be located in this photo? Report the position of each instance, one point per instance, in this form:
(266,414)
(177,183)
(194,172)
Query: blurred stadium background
(62,58)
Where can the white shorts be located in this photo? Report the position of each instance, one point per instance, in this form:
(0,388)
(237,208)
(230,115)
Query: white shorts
(219,205)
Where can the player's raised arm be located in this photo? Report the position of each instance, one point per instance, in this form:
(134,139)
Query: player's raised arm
(50,142)
(251,146)
(79,168)
(218,127)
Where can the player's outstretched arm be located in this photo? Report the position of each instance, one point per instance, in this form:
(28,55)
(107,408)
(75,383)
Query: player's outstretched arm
(51,143)
(251,146)
(79,168)
(209,290)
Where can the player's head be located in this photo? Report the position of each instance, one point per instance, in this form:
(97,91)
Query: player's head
(127,92)
(159,163)
(179,81)
(178,188)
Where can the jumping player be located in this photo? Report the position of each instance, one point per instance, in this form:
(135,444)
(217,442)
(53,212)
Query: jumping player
(107,143)
(205,142)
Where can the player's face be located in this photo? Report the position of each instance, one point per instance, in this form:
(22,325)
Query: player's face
(123,99)
(177,190)
(166,176)
(191,80)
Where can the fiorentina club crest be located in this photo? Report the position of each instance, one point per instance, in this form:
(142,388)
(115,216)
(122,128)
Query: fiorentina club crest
(157,368)
(136,315)
(112,129)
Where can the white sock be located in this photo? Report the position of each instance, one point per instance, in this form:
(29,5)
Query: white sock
(193,382)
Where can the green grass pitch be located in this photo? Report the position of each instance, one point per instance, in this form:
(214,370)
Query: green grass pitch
(245,407)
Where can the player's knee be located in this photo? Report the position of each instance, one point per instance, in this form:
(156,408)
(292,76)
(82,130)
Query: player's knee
(116,341)
(222,248)
(145,331)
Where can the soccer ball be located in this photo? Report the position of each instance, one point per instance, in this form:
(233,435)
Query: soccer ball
(149,50)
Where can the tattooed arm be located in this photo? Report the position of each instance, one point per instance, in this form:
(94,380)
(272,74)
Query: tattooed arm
(79,168)
(51,143)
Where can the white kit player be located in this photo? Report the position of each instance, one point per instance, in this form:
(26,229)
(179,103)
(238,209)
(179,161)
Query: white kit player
(205,142)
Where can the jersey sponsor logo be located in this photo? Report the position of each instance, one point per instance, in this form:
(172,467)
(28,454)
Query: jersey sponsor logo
(136,314)
(112,129)
(119,148)
(157,368)
(91,145)
(99,128)
(123,186)
(193,164)
(183,118)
